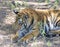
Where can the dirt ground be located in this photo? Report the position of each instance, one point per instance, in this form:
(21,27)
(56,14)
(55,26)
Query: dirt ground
(7,18)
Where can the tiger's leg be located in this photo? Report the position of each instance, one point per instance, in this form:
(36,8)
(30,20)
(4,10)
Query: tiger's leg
(33,34)
(15,37)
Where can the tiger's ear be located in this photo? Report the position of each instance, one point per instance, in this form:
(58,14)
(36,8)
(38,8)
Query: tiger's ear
(15,11)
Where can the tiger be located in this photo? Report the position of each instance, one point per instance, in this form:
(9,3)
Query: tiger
(28,20)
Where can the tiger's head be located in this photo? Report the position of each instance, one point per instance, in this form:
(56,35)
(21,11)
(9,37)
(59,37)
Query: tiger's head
(25,20)
(21,18)
(26,17)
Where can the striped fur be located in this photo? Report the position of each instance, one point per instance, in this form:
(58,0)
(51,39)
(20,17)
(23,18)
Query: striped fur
(50,19)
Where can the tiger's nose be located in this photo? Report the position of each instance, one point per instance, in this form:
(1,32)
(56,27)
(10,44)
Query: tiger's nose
(15,11)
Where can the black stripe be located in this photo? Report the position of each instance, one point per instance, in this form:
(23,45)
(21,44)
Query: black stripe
(52,35)
(31,24)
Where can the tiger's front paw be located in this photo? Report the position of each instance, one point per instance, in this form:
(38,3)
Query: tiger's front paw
(15,38)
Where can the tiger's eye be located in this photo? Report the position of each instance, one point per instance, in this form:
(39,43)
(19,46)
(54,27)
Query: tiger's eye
(26,16)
